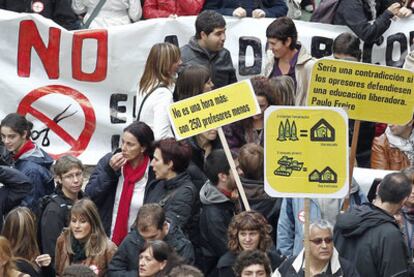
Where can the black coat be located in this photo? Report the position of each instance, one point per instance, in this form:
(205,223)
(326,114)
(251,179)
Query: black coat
(216,213)
(125,261)
(15,187)
(371,239)
(55,217)
(25,267)
(226,262)
(272,8)
(346,270)
(101,188)
(178,197)
(59,11)
(219,64)
(356,15)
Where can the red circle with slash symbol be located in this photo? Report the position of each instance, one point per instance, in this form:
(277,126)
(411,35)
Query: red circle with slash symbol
(77,145)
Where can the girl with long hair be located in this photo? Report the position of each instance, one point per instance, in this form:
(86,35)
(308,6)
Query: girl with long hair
(20,229)
(7,264)
(85,241)
(156,88)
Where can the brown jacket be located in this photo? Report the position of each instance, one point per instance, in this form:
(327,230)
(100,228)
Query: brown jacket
(101,261)
(383,156)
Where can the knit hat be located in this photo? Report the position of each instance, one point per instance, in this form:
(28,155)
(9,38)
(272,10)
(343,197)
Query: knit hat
(78,270)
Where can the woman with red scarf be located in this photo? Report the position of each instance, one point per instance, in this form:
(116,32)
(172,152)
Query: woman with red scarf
(28,158)
(119,181)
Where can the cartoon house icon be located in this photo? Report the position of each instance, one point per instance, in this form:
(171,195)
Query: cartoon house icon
(322,131)
(328,176)
(314,176)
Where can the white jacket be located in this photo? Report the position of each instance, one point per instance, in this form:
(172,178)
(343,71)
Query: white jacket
(155,111)
(113,12)
(409,62)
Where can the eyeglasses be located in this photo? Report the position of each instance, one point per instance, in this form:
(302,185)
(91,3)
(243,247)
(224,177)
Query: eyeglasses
(319,241)
(77,175)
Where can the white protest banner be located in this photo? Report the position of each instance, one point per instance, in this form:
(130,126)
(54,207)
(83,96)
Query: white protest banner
(78,87)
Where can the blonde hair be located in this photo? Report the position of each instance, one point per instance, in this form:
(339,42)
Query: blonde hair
(158,66)
(8,265)
(21,230)
(97,240)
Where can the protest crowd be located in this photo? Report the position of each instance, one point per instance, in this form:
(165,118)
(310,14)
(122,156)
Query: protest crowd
(157,206)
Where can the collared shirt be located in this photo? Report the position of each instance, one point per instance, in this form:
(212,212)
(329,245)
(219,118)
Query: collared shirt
(277,72)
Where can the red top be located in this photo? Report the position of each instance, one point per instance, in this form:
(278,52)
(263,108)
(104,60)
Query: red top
(165,8)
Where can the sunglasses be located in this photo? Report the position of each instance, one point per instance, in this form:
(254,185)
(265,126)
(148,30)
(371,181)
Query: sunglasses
(319,241)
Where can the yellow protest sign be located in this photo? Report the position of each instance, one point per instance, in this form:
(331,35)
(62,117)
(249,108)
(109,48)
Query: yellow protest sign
(306,152)
(213,109)
(368,92)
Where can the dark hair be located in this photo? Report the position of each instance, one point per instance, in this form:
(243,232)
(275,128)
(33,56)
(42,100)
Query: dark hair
(252,221)
(207,21)
(191,81)
(248,258)
(216,163)
(251,160)
(178,152)
(78,270)
(263,88)
(144,135)
(282,29)
(150,215)
(347,44)
(18,124)
(409,172)
(394,188)
(161,251)
(185,270)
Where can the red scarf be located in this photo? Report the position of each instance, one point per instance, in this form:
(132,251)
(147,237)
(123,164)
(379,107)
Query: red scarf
(29,145)
(131,176)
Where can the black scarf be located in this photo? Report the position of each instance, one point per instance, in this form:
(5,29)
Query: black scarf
(78,249)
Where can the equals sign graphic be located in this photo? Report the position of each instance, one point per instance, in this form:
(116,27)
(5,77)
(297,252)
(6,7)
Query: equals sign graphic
(303,133)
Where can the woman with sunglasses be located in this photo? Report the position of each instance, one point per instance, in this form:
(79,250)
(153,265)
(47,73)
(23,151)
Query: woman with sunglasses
(324,259)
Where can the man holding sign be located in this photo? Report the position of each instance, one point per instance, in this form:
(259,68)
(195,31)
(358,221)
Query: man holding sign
(217,197)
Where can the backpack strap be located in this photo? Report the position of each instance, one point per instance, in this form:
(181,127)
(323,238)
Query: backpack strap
(94,13)
(145,98)
(171,194)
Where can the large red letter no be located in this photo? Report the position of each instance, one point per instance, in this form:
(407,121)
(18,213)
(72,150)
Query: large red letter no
(101,57)
(29,38)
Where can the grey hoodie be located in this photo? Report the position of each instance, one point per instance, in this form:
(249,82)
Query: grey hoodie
(209,194)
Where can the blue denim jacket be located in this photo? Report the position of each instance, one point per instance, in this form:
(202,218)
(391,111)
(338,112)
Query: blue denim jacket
(290,225)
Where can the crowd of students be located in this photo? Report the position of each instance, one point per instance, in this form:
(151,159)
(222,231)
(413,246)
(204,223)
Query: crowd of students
(155,206)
